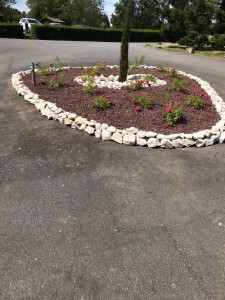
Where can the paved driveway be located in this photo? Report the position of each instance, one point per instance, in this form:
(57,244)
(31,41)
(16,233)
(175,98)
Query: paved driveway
(85,219)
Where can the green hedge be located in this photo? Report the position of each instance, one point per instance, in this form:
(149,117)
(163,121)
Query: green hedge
(11,31)
(69,33)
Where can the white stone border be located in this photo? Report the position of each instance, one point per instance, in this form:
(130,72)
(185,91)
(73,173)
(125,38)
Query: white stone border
(130,136)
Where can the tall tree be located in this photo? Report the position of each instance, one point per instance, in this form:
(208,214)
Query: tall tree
(4,7)
(145,14)
(124,62)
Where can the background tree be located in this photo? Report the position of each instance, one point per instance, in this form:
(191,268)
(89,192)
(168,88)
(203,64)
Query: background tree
(5,5)
(145,14)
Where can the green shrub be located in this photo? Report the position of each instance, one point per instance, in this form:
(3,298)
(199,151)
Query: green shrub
(71,33)
(218,42)
(196,40)
(11,31)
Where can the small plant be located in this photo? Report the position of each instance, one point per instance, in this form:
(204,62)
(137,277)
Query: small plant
(163,95)
(89,72)
(136,65)
(89,86)
(101,102)
(135,86)
(172,113)
(197,100)
(163,68)
(173,73)
(142,100)
(56,80)
(150,77)
(57,72)
(178,84)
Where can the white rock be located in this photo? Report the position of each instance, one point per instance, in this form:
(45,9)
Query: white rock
(200,143)
(90,123)
(106,135)
(90,130)
(98,133)
(98,126)
(178,143)
(81,121)
(151,134)
(222,137)
(198,135)
(141,134)
(72,116)
(67,122)
(166,143)
(111,129)
(117,137)
(161,136)
(188,142)
(132,130)
(188,135)
(174,136)
(141,142)
(153,142)
(82,127)
(73,125)
(104,126)
(129,139)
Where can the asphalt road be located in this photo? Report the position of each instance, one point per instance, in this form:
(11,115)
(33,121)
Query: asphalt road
(86,219)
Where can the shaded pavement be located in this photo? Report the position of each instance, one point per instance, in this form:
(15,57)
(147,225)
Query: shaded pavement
(86,219)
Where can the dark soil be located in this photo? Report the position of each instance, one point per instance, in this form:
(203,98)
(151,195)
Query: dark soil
(122,114)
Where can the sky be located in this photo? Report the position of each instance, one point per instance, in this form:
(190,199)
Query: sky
(109,6)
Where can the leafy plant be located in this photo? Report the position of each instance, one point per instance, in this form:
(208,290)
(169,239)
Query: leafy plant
(101,102)
(135,86)
(143,100)
(136,65)
(163,68)
(178,84)
(173,72)
(89,72)
(163,95)
(56,80)
(197,100)
(173,113)
(89,86)
(150,77)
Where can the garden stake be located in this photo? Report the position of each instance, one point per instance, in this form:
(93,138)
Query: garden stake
(33,74)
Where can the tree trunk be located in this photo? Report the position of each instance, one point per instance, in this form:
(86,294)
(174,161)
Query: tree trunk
(124,63)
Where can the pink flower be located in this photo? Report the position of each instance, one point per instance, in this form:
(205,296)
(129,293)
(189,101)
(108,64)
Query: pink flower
(86,70)
(172,69)
(138,108)
(147,81)
(55,76)
(91,101)
(108,97)
(142,93)
(108,102)
(141,81)
(83,80)
(194,92)
(168,108)
(202,94)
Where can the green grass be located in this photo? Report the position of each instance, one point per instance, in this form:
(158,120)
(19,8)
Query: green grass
(182,49)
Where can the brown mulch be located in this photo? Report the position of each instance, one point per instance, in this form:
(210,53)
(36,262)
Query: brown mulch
(122,114)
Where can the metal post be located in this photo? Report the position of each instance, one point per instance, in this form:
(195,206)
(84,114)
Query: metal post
(33,74)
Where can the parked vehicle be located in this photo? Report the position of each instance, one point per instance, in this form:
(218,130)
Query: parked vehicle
(29,23)
(55,24)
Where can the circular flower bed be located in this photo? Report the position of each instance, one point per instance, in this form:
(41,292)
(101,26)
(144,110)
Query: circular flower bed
(155,107)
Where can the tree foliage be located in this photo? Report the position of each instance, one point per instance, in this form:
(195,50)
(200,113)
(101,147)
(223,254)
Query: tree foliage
(88,12)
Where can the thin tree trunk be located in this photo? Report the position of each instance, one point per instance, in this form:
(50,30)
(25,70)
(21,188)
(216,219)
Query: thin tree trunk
(124,63)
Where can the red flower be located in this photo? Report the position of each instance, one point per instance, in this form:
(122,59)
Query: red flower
(91,101)
(141,81)
(194,92)
(108,97)
(169,75)
(138,108)
(168,108)
(147,81)
(142,93)
(55,76)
